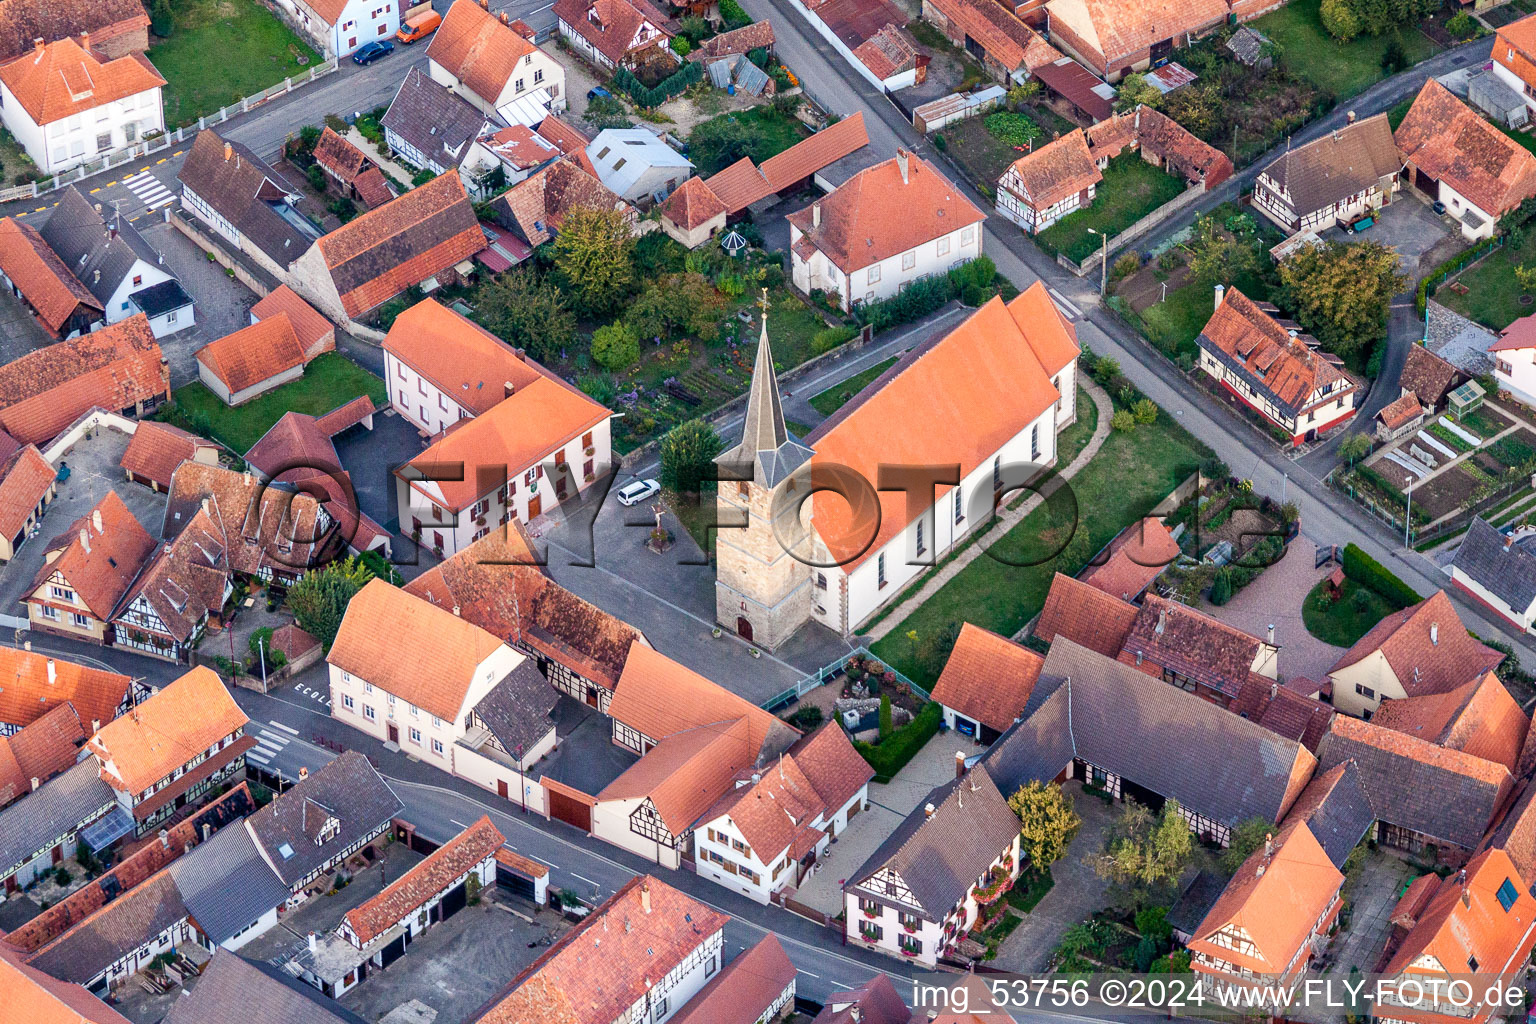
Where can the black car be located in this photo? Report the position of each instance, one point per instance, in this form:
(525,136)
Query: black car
(370,52)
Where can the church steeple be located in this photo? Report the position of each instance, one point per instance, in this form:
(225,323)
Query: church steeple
(766,444)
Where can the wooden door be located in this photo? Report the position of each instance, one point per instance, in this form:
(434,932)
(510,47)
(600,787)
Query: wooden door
(394,733)
(535,506)
(502,790)
(743,628)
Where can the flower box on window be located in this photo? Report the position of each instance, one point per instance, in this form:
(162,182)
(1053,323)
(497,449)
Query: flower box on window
(910,952)
(910,926)
(871,912)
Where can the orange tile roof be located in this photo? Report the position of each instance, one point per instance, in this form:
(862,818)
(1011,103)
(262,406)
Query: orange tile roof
(478,49)
(441,868)
(59,79)
(166,731)
(1136,557)
(464,360)
(1085,615)
(536,206)
(28,476)
(293,641)
(1449,141)
(158,448)
(1401,412)
(520,146)
(1427,647)
(745,988)
(404,242)
(1057,170)
(657,697)
(513,436)
(596,971)
(1119,30)
(97,560)
(253,354)
(1521,34)
(309,324)
(987,677)
(39,751)
(832,765)
(41,277)
(1479,718)
(611,25)
(1006,39)
(883,211)
(335,154)
(1285,367)
(986,381)
(47,389)
(692,204)
(275,529)
(1466,921)
(1421,750)
(566,137)
(687,772)
(411,648)
(27,693)
(1276,899)
(890,50)
(744,183)
(32,997)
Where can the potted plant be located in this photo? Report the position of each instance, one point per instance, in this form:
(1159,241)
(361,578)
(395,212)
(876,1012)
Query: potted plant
(716,632)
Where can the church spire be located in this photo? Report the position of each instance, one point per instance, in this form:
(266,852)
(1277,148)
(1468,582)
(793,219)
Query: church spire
(764,429)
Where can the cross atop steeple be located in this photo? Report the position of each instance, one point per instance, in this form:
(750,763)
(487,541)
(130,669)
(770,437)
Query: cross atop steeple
(765,441)
(763,304)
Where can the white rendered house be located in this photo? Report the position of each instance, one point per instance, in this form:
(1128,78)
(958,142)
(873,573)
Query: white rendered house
(482,58)
(887,226)
(337,27)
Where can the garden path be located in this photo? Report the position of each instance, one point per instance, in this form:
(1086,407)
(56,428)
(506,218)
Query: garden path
(1007,518)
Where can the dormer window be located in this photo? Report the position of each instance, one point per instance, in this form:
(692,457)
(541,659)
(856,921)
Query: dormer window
(330,830)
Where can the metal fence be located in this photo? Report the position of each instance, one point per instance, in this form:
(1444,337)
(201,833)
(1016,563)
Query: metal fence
(835,670)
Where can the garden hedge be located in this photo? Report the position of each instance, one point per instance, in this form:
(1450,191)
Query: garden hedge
(1368,572)
(891,755)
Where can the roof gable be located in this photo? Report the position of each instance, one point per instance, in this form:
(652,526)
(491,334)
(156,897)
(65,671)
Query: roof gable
(478,48)
(166,731)
(459,357)
(1449,141)
(987,677)
(1426,646)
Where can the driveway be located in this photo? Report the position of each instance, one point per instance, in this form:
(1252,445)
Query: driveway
(222,304)
(1369,900)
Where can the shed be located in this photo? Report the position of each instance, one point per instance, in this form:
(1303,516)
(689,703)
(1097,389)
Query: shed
(1465,399)
(1492,96)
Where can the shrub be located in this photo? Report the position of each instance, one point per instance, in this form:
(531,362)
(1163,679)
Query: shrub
(1012,129)
(1125,266)
(687,455)
(615,347)
(1461,26)
(805,718)
(1145,411)
(1123,420)
(681,46)
(597,387)
(885,716)
(828,339)
(733,15)
(422,177)
(891,755)
(1221,587)
(316,177)
(1368,572)
(918,300)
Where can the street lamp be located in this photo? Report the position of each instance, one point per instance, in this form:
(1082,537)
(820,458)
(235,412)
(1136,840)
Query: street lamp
(1408,518)
(1103,262)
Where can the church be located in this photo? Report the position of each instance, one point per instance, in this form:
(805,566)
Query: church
(832,527)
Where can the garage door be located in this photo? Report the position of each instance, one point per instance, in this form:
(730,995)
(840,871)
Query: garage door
(394,951)
(515,882)
(569,810)
(454,902)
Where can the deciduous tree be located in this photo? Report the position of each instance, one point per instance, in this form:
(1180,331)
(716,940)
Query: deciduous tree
(320,599)
(688,452)
(1342,293)
(528,311)
(1144,852)
(615,346)
(1220,257)
(1047,822)
(592,259)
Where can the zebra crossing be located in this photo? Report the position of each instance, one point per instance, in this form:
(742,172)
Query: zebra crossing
(150,190)
(269,744)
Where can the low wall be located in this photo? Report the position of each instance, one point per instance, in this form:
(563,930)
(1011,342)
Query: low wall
(1136,230)
(252,278)
(96,418)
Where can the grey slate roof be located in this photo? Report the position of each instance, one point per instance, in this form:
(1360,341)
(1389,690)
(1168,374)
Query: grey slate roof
(1340,164)
(57,807)
(1196,901)
(941,857)
(434,120)
(1213,762)
(1414,794)
(1336,810)
(226,884)
(120,927)
(767,447)
(245,192)
(85,242)
(234,990)
(349,789)
(1508,572)
(518,710)
(161,298)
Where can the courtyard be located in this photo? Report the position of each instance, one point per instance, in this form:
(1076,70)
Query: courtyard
(1131,189)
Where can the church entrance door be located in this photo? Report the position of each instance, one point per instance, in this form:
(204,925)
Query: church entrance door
(743,628)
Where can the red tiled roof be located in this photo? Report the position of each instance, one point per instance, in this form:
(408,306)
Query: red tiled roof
(889,51)
(41,277)
(47,389)
(598,970)
(520,146)
(1450,142)
(1282,365)
(1136,557)
(98,555)
(441,868)
(35,998)
(1466,922)
(33,684)
(309,325)
(883,211)
(163,733)
(692,204)
(372,188)
(340,157)
(744,183)
(612,25)
(293,641)
(1119,30)
(1167,635)
(657,697)
(39,751)
(831,764)
(59,79)
(1056,170)
(463,360)
(1401,412)
(1479,718)
(253,354)
(988,677)
(27,478)
(687,772)
(475,47)
(744,989)
(1006,39)
(1085,615)
(1427,647)
(987,380)
(158,448)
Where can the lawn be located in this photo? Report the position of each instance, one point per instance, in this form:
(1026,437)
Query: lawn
(221,50)
(330,380)
(1071,442)
(1493,294)
(1174,323)
(1131,189)
(833,399)
(1338,69)
(1347,619)
(759,132)
(1131,473)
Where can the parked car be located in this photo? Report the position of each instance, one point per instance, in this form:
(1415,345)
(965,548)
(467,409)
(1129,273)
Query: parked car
(419,27)
(597,91)
(635,493)
(370,52)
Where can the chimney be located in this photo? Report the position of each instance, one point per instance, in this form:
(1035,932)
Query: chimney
(1349,118)
(1221,292)
(96,521)
(165,839)
(853,1013)
(1274,690)
(95,277)
(959,763)
(208,506)
(901,162)
(35,783)
(645,896)
(229,151)
(207,831)
(928,810)
(37,46)
(314,942)
(1138,659)
(456,611)
(504,19)
(1434,634)
(816,214)
(1162,621)
(303,773)
(95,726)
(507,387)
(85,540)
(1271,632)
(521,354)
(485,5)
(1269,845)
(53,672)
(85,40)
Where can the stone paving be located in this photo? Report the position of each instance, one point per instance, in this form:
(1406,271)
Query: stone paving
(1369,901)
